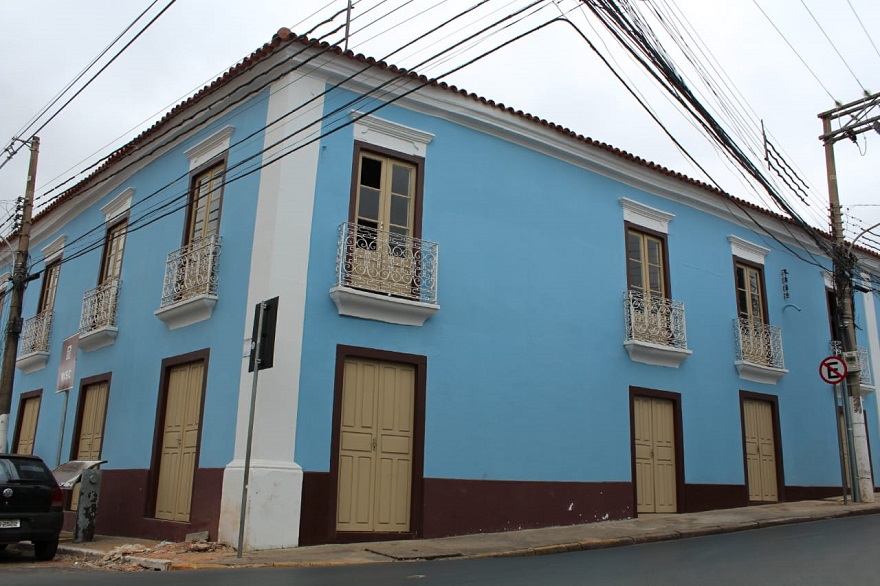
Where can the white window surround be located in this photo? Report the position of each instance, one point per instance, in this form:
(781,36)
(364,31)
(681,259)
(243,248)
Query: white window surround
(118,206)
(645,216)
(54,250)
(390,135)
(209,148)
(828,278)
(747,250)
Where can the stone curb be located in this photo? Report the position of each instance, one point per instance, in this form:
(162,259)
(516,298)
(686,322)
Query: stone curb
(585,545)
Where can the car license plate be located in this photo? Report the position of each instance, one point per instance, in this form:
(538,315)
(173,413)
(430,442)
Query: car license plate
(10,523)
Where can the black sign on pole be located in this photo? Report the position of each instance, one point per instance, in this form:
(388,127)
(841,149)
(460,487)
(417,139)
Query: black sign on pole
(267,336)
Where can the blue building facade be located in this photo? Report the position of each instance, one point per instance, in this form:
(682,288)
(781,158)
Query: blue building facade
(600,337)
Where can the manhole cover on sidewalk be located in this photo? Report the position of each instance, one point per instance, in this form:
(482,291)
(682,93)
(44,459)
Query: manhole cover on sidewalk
(413,551)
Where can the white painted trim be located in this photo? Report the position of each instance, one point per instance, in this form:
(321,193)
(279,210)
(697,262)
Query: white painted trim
(828,278)
(209,148)
(873,336)
(187,312)
(747,250)
(118,206)
(54,250)
(279,267)
(645,216)
(656,354)
(392,310)
(390,135)
(759,373)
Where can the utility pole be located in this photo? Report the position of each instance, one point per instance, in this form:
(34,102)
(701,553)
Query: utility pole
(19,280)
(857,121)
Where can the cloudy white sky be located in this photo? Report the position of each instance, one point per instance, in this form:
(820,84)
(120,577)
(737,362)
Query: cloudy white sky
(551,73)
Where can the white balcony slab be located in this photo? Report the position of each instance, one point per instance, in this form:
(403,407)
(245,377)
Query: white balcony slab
(759,373)
(379,307)
(656,354)
(97,338)
(187,312)
(32,362)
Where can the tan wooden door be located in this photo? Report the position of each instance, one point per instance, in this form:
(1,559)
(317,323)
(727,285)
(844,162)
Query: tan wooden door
(760,450)
(654,438)
(27,431)
(180,439)
(375,447)
(91,429)
(382,258)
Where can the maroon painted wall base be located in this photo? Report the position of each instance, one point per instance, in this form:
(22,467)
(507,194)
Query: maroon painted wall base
(708,497)
(122,506)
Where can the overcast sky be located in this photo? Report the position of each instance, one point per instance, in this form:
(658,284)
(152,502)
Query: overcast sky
(551,73)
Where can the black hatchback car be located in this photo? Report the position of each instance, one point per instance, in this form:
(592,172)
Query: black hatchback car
(30,504)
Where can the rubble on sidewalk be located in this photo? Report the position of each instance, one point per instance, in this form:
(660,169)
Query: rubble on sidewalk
(138,558)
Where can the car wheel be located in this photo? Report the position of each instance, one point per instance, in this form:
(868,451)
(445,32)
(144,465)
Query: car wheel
(45,550)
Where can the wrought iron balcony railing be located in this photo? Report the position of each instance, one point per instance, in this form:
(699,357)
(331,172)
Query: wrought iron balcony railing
(758,343)
(385,262)
(35,333)
(654,319)
(191,271)
(866,377)
(99,307)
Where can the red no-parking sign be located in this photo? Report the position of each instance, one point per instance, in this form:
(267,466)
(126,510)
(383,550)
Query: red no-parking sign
(832,370)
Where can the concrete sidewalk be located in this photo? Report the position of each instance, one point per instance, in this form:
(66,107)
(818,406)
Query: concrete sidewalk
(648,528)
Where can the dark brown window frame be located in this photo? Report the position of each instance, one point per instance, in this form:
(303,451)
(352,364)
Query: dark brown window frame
(420,363)
(77,425)
(675,398)
(111,226)
(664,238)
(777,440)
(21,400)
(55,264)
(760,268)
(419,162)
(158,430)
(220,160)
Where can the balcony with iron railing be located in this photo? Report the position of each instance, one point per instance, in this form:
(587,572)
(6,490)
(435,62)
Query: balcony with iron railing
(33,351)
(385,276)
(759,355)
(189,291)
(656,332)
(866,376)
(97,322)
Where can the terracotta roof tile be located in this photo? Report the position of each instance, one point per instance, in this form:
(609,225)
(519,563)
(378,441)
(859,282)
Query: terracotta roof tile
(284,37)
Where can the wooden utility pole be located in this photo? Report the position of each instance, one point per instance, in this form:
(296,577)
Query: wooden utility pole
(857,121)
(19,280)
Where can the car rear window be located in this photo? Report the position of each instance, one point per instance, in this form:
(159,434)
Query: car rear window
(22,470)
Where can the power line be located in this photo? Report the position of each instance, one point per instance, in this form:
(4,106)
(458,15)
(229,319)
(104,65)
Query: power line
(861,24)
(12,153)
(776,28)
(833,46)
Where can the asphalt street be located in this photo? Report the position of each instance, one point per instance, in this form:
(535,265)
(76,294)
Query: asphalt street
(838,551)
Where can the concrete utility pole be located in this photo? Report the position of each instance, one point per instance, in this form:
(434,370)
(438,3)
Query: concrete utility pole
(857,121)
(19,280)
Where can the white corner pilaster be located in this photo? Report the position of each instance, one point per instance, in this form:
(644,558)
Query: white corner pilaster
(279,264)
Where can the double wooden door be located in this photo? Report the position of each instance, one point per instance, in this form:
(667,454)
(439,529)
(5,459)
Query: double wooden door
(180,441)
(760,444)
(654,447)
(375,465)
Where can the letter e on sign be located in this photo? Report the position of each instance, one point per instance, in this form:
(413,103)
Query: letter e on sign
(832,370)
